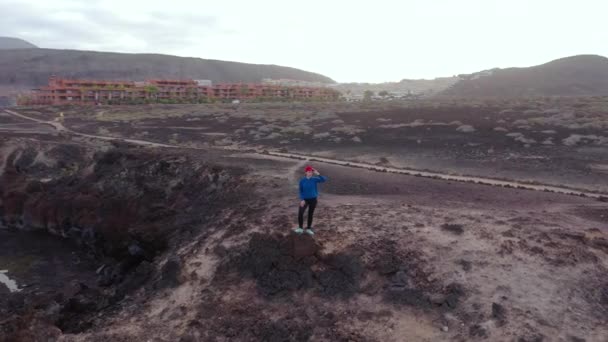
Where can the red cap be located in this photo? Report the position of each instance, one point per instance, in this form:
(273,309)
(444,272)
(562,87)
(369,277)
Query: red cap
(308,168)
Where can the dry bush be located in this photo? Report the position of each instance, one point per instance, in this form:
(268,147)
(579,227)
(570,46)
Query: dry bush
(273,136)
(575,139)
(297,129)
(268,128)
(348,129)
(103,131)
(521,138)
(321,135)
(466,129)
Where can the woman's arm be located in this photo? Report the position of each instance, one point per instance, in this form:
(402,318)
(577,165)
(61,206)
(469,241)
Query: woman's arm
(301,191)
(321,179)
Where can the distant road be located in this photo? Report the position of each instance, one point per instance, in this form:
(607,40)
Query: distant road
(411,172)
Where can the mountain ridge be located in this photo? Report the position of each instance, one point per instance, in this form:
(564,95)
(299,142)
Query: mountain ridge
(8,43)
(33,67)
(580,75)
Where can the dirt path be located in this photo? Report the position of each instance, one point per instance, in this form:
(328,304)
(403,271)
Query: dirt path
(443,176)
(411,172)
(61,128)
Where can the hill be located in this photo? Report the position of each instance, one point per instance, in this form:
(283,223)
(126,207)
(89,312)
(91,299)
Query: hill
(7,43)
(583,75)
(32,67)
(404,86)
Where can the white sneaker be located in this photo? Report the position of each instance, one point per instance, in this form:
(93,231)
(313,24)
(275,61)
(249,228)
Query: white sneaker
(310,232)
(299,230)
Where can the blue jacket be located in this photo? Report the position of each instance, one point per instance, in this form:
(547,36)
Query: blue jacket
(308,187)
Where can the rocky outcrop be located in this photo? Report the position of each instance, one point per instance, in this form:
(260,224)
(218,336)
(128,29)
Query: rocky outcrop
(124,206)
(118,203)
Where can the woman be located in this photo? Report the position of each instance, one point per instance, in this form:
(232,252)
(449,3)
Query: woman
(308,198)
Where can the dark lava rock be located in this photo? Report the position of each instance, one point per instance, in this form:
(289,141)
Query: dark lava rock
(537,250)
(400,279)
(388,264)
(453,228)
(72,316)
(508,233)
(600,243)
(263,329)
(285,277)
(26,159)
(575,339)
(282,330)
(4,291)
(454,292)
(123,214)
(604,296)
(109,275)
(135,250)
(478,331)
(499,313)
(124,207)
(342,275)
(79,304)
(187,338)
(466,265)
(71,289)
(136,278)
(220,251)
(282,264)
(388,259)
(270,261)
(33,330)
(302,246)
(407,296)
(170,273)
(532,338)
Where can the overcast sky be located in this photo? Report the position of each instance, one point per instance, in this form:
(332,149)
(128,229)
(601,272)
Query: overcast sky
(355,40)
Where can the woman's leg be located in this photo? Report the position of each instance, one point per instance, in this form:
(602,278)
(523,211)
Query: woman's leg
(311,210)
(301,214)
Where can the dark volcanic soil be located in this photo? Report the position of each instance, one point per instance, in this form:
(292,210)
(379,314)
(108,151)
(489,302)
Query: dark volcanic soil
(196,244)
(50,272)
(118,209)
(38,261)
(558,141)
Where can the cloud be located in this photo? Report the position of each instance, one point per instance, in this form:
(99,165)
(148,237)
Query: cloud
(347,40)
(107,26)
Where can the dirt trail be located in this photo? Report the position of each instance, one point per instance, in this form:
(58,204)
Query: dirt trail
(443,176)
(61,128)
(412,172)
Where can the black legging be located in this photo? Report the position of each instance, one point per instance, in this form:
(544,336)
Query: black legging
(311,204)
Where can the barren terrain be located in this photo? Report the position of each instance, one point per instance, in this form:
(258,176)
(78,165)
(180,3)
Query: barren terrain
(194,242)
(557,141)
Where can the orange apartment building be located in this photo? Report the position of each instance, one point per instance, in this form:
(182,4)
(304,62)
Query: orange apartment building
(66,91)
